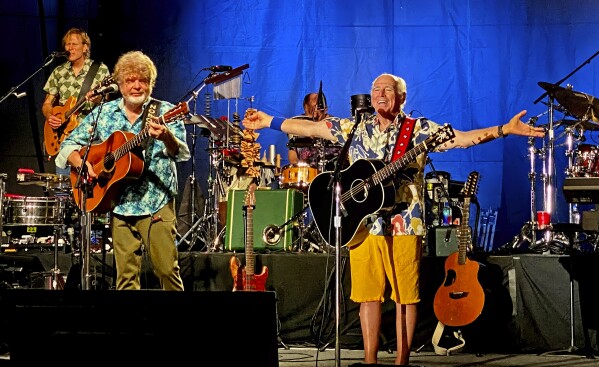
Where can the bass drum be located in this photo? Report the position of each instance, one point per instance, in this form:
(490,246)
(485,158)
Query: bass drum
(586,161)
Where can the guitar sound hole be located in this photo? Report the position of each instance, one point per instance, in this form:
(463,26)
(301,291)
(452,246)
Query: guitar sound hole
(358,195)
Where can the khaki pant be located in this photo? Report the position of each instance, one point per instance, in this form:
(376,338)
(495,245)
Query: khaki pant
(156,235)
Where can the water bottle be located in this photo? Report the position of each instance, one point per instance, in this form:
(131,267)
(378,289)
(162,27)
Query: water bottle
(446,214)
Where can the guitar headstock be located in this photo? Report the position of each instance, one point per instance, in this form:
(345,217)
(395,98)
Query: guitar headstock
(107,81)
(471,185)
(176,112)
(250,196)
(441,136)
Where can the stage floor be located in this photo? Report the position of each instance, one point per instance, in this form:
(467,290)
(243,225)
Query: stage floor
(528,306)
(306,357)
(298,356)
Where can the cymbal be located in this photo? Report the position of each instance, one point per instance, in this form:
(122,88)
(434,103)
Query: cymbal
(583,124)
(216,127)
(49,180)
(580,105)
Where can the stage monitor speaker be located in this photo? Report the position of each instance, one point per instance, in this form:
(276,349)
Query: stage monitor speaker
(581,190)
(142,328)
(273,207)
(442,240)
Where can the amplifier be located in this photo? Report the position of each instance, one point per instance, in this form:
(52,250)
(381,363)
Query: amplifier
(442,240)
(273,207)
(581,189)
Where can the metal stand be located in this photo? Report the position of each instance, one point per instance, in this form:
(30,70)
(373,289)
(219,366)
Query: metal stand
(208,223)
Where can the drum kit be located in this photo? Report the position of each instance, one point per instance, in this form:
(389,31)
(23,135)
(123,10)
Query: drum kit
(582,115)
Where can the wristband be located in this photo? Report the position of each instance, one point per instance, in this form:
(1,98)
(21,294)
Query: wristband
(500,131)
(276,123)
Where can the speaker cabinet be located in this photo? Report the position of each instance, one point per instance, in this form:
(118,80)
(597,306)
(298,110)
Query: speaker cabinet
(141,328)
(273,207)
(442,240)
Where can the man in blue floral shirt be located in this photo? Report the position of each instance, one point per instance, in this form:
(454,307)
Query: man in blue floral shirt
(392,250)
(143,218)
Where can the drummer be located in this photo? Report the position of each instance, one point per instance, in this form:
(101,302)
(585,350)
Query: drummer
(312,112)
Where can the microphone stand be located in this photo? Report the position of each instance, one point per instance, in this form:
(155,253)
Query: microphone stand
(335,182)
(85,185)
(13,89)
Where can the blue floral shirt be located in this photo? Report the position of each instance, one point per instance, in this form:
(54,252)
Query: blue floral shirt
(406,218)
(158,183)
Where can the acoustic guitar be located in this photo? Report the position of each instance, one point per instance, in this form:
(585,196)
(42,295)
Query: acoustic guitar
(244,277)
(68,114)
(366,188)
(117,161)
(460,299)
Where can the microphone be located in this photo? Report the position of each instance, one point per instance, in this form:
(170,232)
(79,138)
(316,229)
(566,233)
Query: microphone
(219,68)
(106,89)
(60,54)
(321,103)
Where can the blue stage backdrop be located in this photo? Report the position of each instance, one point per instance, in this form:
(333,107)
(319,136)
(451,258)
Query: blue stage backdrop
(468,63)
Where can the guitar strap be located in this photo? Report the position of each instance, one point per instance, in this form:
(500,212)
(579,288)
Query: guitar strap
(89,78)
(403,140)
(438,334)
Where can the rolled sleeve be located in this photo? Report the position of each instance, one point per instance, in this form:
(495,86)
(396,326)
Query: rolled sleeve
(64,153)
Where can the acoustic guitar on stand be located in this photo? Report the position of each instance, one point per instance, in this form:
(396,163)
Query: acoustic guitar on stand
(116,161)
(244,277)
(460,299)
(68,114)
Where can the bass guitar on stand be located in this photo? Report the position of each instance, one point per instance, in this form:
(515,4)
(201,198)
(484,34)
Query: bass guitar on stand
(244,277)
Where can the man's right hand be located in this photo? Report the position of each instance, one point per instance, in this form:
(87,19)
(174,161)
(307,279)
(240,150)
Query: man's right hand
(256,120)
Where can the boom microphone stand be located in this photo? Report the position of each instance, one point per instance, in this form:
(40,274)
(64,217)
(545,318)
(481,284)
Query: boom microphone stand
(85,185)
(335,184)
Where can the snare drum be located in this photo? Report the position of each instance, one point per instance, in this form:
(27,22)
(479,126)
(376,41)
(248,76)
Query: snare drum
(33,211)
(586,162)
(297,176)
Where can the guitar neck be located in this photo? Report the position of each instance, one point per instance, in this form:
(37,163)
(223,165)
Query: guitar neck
(392,168)
(75,108)
(464,236)
(129,145)
(249,240)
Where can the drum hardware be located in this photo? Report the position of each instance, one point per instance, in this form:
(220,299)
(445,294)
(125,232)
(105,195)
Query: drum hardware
(224,139)
(575,103)
(271,234)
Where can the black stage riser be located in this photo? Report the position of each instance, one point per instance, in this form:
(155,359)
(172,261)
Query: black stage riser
(100,328)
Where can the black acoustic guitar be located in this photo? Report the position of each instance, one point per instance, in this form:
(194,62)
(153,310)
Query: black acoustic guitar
(366,188)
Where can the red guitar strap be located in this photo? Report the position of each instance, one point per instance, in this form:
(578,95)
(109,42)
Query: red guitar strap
(403,140)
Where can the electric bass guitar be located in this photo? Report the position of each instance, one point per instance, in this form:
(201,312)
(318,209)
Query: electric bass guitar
(244,277)
(68,114)
(366,188)
(460,299)
(116,161)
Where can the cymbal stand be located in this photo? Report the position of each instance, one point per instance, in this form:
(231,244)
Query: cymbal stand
(56,278)
(209,221)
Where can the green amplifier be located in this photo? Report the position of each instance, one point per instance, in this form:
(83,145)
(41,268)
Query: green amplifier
(273,208)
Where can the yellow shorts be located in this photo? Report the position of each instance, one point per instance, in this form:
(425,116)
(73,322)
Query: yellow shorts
(382,258)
